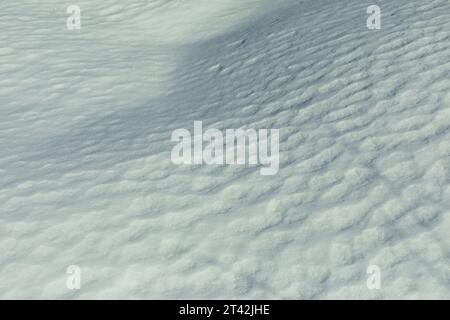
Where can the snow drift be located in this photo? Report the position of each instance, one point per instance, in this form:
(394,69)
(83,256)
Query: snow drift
(87,178)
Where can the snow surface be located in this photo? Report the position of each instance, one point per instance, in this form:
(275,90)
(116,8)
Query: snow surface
(87,179)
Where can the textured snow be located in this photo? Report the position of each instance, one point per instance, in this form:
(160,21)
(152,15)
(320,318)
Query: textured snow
(87,179)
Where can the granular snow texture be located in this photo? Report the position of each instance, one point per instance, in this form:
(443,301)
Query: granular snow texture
(87,178)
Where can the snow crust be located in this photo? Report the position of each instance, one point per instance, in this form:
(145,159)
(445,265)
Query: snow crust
(87,178)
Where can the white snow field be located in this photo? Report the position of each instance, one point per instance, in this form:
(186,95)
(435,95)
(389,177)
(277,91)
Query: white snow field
(86,176)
